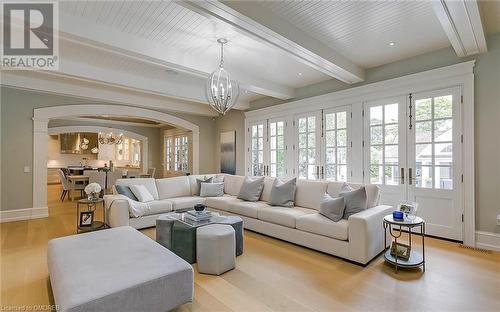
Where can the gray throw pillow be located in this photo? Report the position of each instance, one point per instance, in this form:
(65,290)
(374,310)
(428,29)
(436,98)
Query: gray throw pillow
(200,181)
(332,207)
(125,190)
(251,189)
(283,193)
(211,189)
(355,200)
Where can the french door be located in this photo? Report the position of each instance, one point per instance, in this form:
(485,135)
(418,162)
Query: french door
(268,148)
(323,145)
(413,152)
(435,162)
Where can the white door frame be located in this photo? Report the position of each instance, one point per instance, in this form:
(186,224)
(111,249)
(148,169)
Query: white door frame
(41,117)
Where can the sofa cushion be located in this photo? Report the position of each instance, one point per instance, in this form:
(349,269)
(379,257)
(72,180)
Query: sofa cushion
(285,216)
(321,225)
(372,192)
(251,189)
(283,193)
(149,183)
(221,203)
(246,208)
(268,186)
(232,184)
(159,206)
(186,202)
(125,190)
(173,187)
(141,193)
(355,200)
(195,187)
(332,207)
(310,193)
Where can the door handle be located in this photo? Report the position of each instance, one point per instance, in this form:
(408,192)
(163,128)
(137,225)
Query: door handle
(322,172)
(410,178)
(402,175)
(317,172)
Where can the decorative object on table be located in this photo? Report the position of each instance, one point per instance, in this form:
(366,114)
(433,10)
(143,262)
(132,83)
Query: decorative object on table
(199,207)
(92,190)
(86,218)
(198,215)
(400,250)
(398,215)
(221,92)
(110,138)
(401,255)
(228,152)
(409,209)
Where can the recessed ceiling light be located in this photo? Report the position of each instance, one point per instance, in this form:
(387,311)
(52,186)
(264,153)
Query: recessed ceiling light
(246,91)
(392,43)
(300,74)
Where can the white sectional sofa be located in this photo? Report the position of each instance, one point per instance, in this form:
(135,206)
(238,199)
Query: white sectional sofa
(358,239)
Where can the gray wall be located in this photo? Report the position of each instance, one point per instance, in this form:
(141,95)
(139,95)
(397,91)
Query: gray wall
(17,142)
(486,118)
(234,120)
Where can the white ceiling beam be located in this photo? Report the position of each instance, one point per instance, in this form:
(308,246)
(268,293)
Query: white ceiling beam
(265,26)
(79,30)
(461,21)
(53,83)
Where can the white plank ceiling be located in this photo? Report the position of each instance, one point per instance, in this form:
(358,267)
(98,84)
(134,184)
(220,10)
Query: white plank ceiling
(362,30)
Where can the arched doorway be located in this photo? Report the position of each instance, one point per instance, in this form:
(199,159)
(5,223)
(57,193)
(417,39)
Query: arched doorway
(41,117)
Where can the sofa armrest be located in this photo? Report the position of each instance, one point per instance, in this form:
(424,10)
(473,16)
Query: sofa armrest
(366,233)
(117,210)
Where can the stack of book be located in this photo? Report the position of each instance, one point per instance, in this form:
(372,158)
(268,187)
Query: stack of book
(198,215)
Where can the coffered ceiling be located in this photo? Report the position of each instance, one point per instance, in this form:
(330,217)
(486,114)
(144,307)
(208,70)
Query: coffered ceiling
(164,50)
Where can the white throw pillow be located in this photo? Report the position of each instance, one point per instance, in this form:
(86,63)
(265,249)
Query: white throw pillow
(211,189)
(142,193)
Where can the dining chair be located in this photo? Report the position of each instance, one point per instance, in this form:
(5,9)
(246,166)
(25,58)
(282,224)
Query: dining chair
(112,177)
(150,173)
(98,177)
(68,186)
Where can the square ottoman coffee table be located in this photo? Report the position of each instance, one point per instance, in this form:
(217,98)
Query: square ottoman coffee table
(118,269)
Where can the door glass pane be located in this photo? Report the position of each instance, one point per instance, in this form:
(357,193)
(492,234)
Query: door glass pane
(434,160)
(423,109)
(307,147)
(443,107)
(257,150)
(336,138)
(423,131)
(277,148)
(376,115)
(384,147)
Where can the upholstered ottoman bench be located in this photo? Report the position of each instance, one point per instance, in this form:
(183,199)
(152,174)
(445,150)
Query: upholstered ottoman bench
(118,269)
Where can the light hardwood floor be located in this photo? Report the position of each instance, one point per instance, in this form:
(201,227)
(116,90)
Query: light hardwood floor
(275,275)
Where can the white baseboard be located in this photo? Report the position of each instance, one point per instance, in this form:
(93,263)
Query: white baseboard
(488,240)
(23,214)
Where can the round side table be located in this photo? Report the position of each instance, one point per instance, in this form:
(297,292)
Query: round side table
(415,259)
(91,206)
